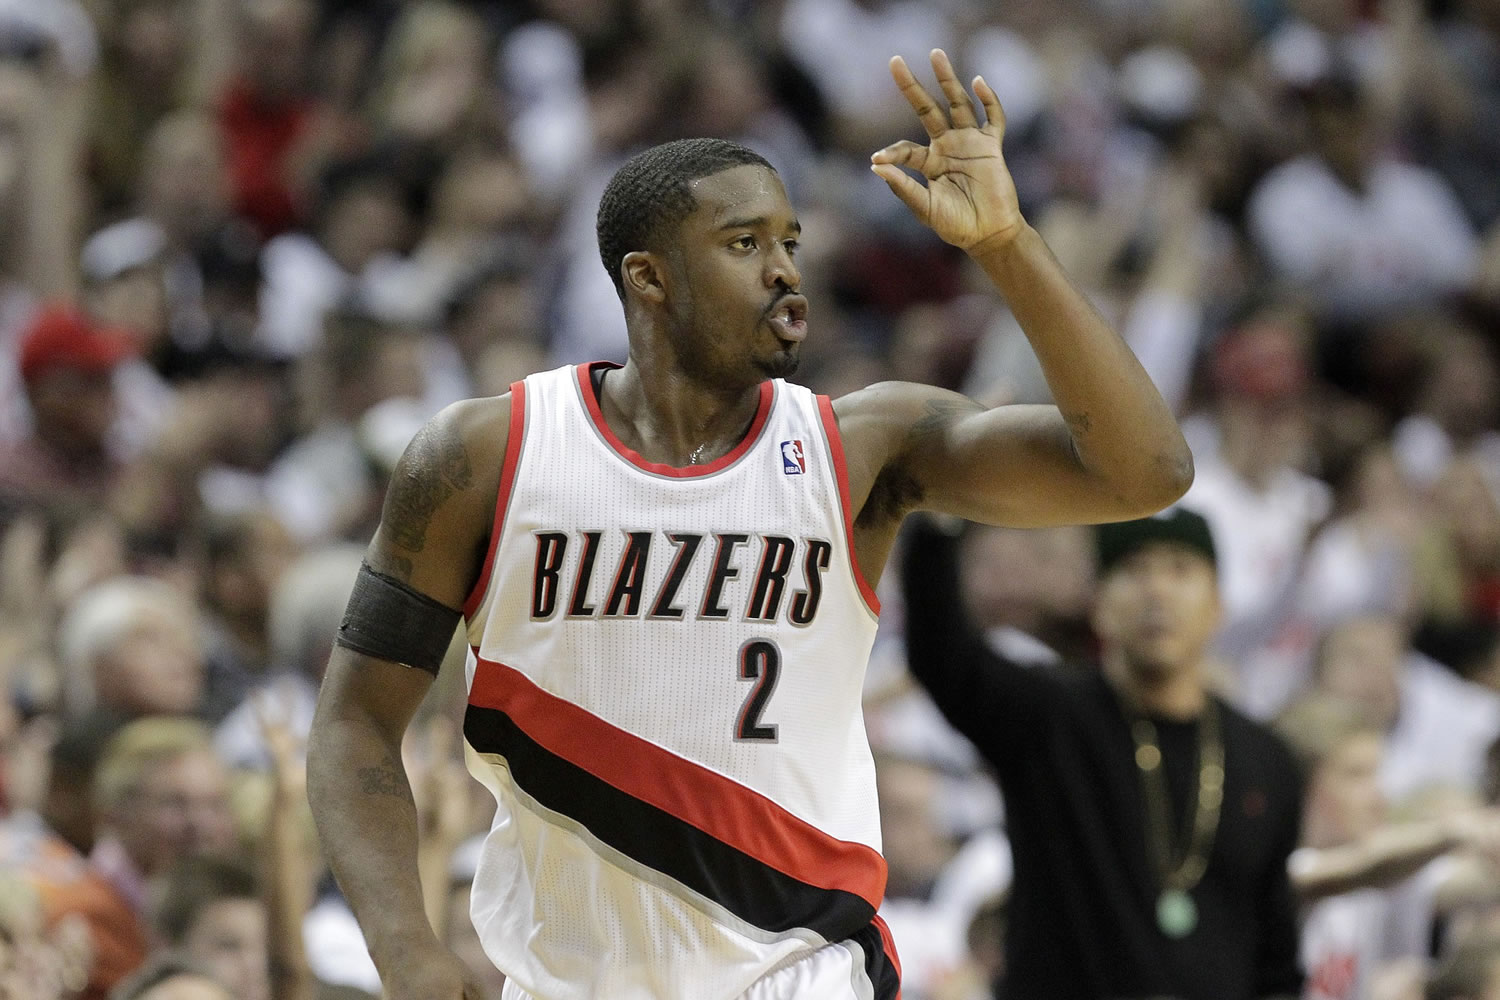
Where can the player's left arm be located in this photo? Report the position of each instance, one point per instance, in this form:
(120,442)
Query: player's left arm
(1109,450)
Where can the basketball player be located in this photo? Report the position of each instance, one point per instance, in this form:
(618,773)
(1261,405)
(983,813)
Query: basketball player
(667,572)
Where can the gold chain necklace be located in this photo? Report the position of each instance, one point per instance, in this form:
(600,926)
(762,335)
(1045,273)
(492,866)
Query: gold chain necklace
(1180,862)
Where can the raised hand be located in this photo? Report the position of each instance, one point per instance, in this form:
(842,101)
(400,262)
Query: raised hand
(970,200)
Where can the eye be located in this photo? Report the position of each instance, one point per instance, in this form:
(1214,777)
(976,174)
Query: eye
(745,242)
(791,247)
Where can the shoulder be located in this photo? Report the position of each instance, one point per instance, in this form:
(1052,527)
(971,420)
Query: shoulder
(471,432)
(888,417)
(1256,742)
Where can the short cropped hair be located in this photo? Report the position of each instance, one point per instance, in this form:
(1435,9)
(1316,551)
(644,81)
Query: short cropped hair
(650,194)
(140,747)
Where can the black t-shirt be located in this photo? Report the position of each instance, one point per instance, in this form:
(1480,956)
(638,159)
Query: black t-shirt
(1082,922)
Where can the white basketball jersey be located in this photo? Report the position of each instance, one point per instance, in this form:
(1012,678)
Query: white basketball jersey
(664,698)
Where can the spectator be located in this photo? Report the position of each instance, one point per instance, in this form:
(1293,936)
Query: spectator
(161,795)
(244,557)
(1354,228)
(1101,768)
(1251,486)
(305,611)
(1368,886)
(265,112)
(68,806)
(132,645)
(359,221)
(212,911)
(66,363)
(1437,726)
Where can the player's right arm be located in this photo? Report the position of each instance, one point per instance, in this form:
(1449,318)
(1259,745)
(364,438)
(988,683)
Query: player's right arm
(419,569)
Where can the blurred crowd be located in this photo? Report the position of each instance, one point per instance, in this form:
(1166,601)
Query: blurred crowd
(248,246)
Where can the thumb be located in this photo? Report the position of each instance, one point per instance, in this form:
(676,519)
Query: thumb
(905,187)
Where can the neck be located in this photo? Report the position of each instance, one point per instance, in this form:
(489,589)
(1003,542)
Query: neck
(1177,694)
(669,417)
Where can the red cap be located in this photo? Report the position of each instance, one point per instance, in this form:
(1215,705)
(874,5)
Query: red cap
(62,337)
(1264,360)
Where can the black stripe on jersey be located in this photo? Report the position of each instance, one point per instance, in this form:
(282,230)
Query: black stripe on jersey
(746,887)
(878,966)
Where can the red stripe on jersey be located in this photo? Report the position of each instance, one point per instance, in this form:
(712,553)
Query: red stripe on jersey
(502,498)
(889,943)
(841,473)
(719,806)
(591,403)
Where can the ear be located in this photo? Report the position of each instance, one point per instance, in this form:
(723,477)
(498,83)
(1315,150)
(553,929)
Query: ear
(641,272)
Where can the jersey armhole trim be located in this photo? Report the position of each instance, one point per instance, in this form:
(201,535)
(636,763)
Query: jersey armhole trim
(513,442)
(841,477)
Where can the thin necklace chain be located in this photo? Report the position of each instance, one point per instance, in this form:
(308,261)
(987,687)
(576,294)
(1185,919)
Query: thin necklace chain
(1181,867)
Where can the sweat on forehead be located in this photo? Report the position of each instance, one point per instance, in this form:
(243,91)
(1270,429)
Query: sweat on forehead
(654,190)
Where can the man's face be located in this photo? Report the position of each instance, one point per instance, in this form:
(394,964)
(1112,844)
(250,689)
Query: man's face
(1160,607)
(74,409)
(730,279)
(1344,798)
(229,939)
(1361,663)
(180,810)
(154,668)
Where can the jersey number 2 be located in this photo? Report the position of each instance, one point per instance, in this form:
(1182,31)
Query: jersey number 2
(760,661)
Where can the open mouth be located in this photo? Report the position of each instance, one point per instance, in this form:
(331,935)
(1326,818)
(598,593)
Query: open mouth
(788,320)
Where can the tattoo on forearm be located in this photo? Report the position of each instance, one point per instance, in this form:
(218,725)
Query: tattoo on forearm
(436,466)
(384,779)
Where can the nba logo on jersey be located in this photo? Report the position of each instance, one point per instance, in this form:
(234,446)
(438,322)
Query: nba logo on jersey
(792,462)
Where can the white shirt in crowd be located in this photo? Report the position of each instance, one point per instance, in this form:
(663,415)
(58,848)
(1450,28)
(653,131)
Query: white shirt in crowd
(1260,536)
(1347,938)
(1443,729)
(1402,240)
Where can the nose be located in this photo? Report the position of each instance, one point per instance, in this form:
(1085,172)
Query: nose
(781,269)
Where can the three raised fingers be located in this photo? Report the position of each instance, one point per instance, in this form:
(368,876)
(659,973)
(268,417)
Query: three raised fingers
(961,112)
(960,107)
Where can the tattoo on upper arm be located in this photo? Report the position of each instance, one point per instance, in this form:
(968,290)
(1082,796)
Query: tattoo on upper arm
(940,413)
(436,466)
(896,490)
(397,566)
(1078,423)
(385,779)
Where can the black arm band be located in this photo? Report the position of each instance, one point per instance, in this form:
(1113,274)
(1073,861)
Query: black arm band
(388,620)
